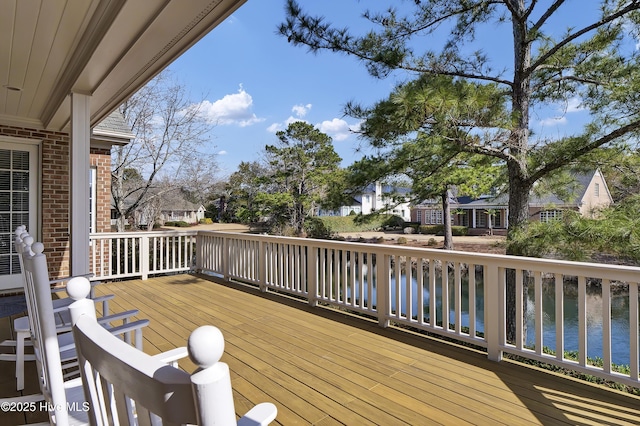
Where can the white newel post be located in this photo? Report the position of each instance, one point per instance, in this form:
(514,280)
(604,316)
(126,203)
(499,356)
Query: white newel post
(494,300)
(79,225)
(383,288)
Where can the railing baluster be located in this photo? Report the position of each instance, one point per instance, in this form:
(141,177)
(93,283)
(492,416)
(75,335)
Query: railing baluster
(383,287)
(408,288)
(433,320)
(582,321)
(420,289)
(446,304)
(457,303)
(520,306)
(539,313)
(606,326)
(471,268)
(634,331)
(559,296)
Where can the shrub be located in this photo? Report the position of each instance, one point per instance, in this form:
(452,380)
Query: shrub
(206,221)
(393,222)
(431,229)
(354,223)
(457,231)
(178,224)
(401,240)
(432,242)
(317,228)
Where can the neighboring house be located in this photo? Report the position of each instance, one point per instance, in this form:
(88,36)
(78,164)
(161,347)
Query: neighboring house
(164,206)
(187,212)
(376,197)
(61,77)
(590,195)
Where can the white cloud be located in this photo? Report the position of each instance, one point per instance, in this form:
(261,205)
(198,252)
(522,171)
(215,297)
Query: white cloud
(301,110)
(276,127)
(574,105)
(337,128)
(553,121)
(233,109)
(223,152)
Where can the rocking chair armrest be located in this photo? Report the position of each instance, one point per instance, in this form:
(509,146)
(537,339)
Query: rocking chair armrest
(132,326)
(173,355)
(105,320)
(262,414)
(103,298)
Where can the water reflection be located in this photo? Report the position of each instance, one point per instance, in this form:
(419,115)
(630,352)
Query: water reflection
(594,309)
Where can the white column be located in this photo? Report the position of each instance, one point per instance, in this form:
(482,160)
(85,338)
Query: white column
(506,218)
(79,176)
(473,218)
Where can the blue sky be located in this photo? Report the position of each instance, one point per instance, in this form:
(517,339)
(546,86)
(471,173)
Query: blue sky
(254,83)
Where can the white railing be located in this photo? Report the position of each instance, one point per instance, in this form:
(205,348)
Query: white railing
(407,286)
(140,254)
(363,277)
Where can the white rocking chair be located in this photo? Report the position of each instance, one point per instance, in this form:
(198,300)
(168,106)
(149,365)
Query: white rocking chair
(126,386)
(65,399)
(23,325)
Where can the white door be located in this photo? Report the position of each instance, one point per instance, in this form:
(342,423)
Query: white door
(18,204)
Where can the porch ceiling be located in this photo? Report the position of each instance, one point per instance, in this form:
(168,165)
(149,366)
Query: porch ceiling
(105,48)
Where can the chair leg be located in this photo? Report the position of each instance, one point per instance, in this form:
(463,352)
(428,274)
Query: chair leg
(21,337)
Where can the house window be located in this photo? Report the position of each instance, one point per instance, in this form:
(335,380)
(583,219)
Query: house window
(18,203)
(496,220)
(463,219)
(596,190)
(481,219)
(433,217)
(419,216)
(93,202)
(549,215)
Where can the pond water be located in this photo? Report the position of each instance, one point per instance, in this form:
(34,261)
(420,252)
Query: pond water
(619,314)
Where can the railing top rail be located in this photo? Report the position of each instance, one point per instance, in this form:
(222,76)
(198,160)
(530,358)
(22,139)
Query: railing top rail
(564,267)
(106,235)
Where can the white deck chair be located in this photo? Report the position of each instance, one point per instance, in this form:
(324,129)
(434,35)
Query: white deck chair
(51,348)
(126,386)
(23,325)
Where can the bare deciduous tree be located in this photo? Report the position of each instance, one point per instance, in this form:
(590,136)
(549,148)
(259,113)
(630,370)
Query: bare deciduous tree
(170,132)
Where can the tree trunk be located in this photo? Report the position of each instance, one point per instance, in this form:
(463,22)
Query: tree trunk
(519,182)
(519,190)
(446,220)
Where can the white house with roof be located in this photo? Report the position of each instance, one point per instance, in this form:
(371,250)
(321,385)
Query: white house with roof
(376,197)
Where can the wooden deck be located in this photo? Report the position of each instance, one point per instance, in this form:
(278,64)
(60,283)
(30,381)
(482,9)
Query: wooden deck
(324,367)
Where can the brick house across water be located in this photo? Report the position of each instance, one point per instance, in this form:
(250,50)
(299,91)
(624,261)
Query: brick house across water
(490,213)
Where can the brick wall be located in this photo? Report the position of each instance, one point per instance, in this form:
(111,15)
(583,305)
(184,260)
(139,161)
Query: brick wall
(55,192)
(101,160)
